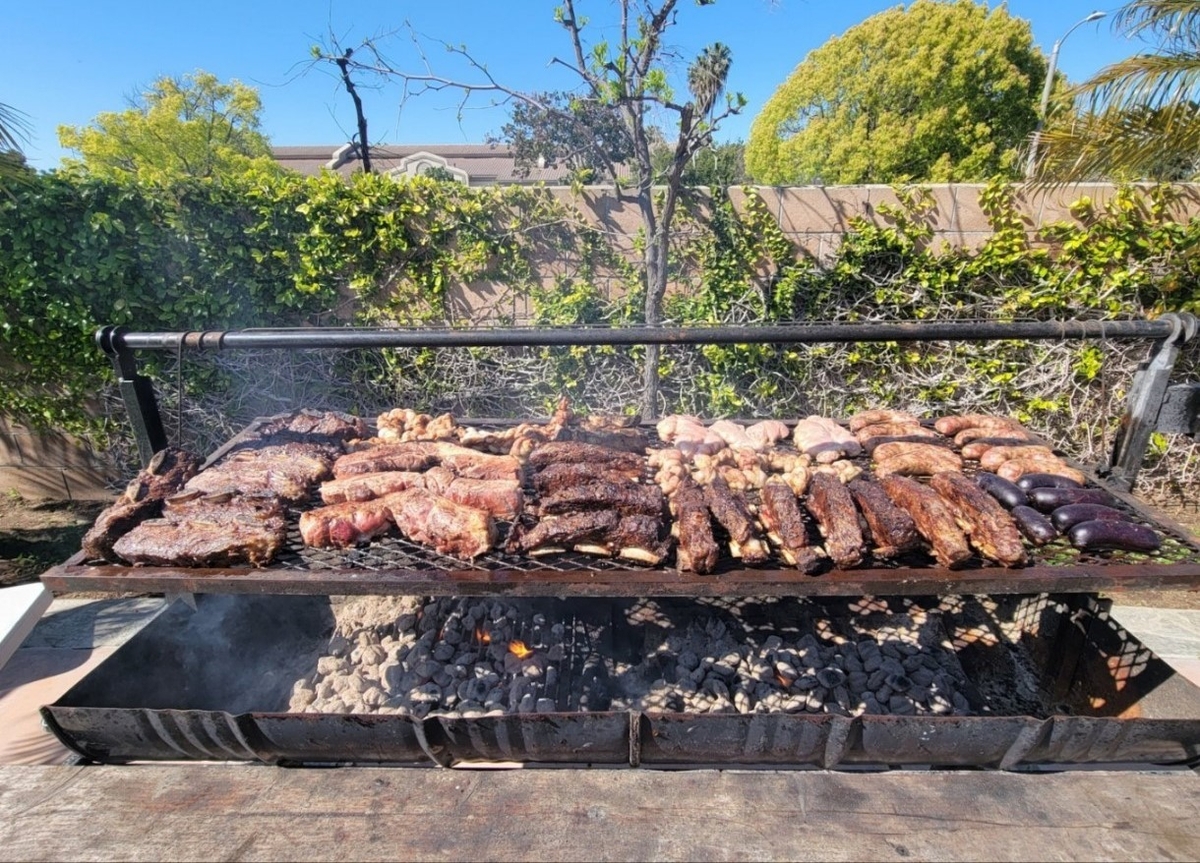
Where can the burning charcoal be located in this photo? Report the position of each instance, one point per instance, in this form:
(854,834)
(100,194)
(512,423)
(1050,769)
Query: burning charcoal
(426,669)
(806,681)
(406,622)
(442,678)
(689,660)
(716,688)
(443,652)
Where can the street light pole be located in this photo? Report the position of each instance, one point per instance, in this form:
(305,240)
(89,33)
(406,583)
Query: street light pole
(1049,85)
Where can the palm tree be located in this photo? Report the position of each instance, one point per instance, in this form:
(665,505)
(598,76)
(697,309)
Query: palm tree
(1139,118)
(707,76)
(14,130)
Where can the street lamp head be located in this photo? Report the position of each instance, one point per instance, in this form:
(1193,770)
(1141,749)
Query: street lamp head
(1095,16)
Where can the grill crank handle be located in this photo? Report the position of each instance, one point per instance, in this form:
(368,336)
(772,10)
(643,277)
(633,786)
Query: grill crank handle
(137,392)
(1146,398)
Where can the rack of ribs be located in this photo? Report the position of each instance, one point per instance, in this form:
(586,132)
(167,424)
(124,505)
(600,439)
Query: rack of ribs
(833,508)
(729,508)
(578,452)
(695,550)
(933,518)
(560,475)
(562,532)
(891,528)
(785,526)
(626,498)
(202,529)
(986,523)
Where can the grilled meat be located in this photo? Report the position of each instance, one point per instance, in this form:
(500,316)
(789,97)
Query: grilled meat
(914,459)
(290,470)
(998,455)
(970,435)
(410,456)
(562,532)
(975,448)
(142,499)
(893,429)
(1013,469)
(734,434)
(873,443)
(933,518)
(985,522)
(560,475)
(952,425)
(576,452)
(343,525)
(626,498)
(881,415)
(767,433)
(502,498)
(729,508)
(695,550)
(632,440)
(636,538)
(200,529)
(785,526)
(312,427)
(446,526)
(891,528)
(368,486)
(689,435)
(405,424)
(833,508)
(815,440)
(469,463)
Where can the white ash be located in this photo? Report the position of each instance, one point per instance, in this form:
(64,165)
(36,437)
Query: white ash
(466,657)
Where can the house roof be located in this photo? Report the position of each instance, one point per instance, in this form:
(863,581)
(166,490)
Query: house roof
(484,164)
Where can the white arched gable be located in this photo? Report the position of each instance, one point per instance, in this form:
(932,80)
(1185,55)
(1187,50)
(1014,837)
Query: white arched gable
(419,163)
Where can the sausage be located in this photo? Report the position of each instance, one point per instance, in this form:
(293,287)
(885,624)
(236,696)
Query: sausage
(1035,526)
(1048,499)
(974,449)
(1013,469)
(1001,489)
(1066,517)
(1123,535)
(1046,480)
(998,455)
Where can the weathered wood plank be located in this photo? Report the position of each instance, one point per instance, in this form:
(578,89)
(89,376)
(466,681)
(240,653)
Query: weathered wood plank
(190,812)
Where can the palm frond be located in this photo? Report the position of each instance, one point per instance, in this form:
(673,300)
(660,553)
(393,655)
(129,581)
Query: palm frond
(15,127)
(1148,80)
(1164,21)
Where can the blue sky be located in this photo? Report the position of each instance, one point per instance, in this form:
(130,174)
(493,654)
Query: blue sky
(65,61)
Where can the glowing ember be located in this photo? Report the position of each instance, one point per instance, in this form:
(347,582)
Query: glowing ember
(482,635)
(783,681)
(519,649)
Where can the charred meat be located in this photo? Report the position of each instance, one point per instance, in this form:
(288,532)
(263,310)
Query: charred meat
(986,523)
(343,525)
(891,528)
(626,498)
(729,508)
(831,505)
(696,550)
(785,526)
(933,518)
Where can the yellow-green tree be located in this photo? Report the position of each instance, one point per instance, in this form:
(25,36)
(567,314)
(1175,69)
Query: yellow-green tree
(189,126)
(936,92)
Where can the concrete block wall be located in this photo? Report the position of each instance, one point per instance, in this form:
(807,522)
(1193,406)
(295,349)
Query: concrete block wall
(50,466)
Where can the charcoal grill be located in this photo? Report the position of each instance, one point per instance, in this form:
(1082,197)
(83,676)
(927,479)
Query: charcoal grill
(1090,713)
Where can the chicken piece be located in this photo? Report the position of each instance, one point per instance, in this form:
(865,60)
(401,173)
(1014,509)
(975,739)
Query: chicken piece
(881,415)
(893,429)
(767,433)
(785,526)
(952,425)
(891,528)
(816,441)
(670,469)
(914,459)
(730,509)
(850,444)
(997,456)
(734,435)
(990,529)
(689,435)
(447,527)
(696,550)
(402,425)
(1013,469)
(343,525)
(368,486)
(933,518)
(842,470)
(831,505)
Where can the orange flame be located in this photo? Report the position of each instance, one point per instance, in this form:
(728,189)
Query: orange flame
(783,681)
(519,649)
(482,635)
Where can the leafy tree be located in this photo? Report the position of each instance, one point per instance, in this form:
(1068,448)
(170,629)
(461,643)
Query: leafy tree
(626,73)
(561,128)
(720,165)
(193,126)
(932,93)
(14,130)
(1139,118)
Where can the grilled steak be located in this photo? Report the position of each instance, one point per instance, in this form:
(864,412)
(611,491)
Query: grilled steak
(892,529)
(502,498)
(561,475)
(289,470)
(310,425)
(369,486)
(785,526)
(411,456)
(564,531)
(343,525)
(469,463)
(986,523)
(626,498)
(200,529)
(585,453)
(933,518)
(729,508)
(142,499)
(631,440)
(446,526)
(832,506)
(695,550)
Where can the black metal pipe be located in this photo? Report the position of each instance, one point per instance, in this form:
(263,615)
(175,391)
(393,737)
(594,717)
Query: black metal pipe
(352,337)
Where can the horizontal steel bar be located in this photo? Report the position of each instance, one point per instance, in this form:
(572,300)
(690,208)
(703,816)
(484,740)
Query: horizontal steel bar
(117,339)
